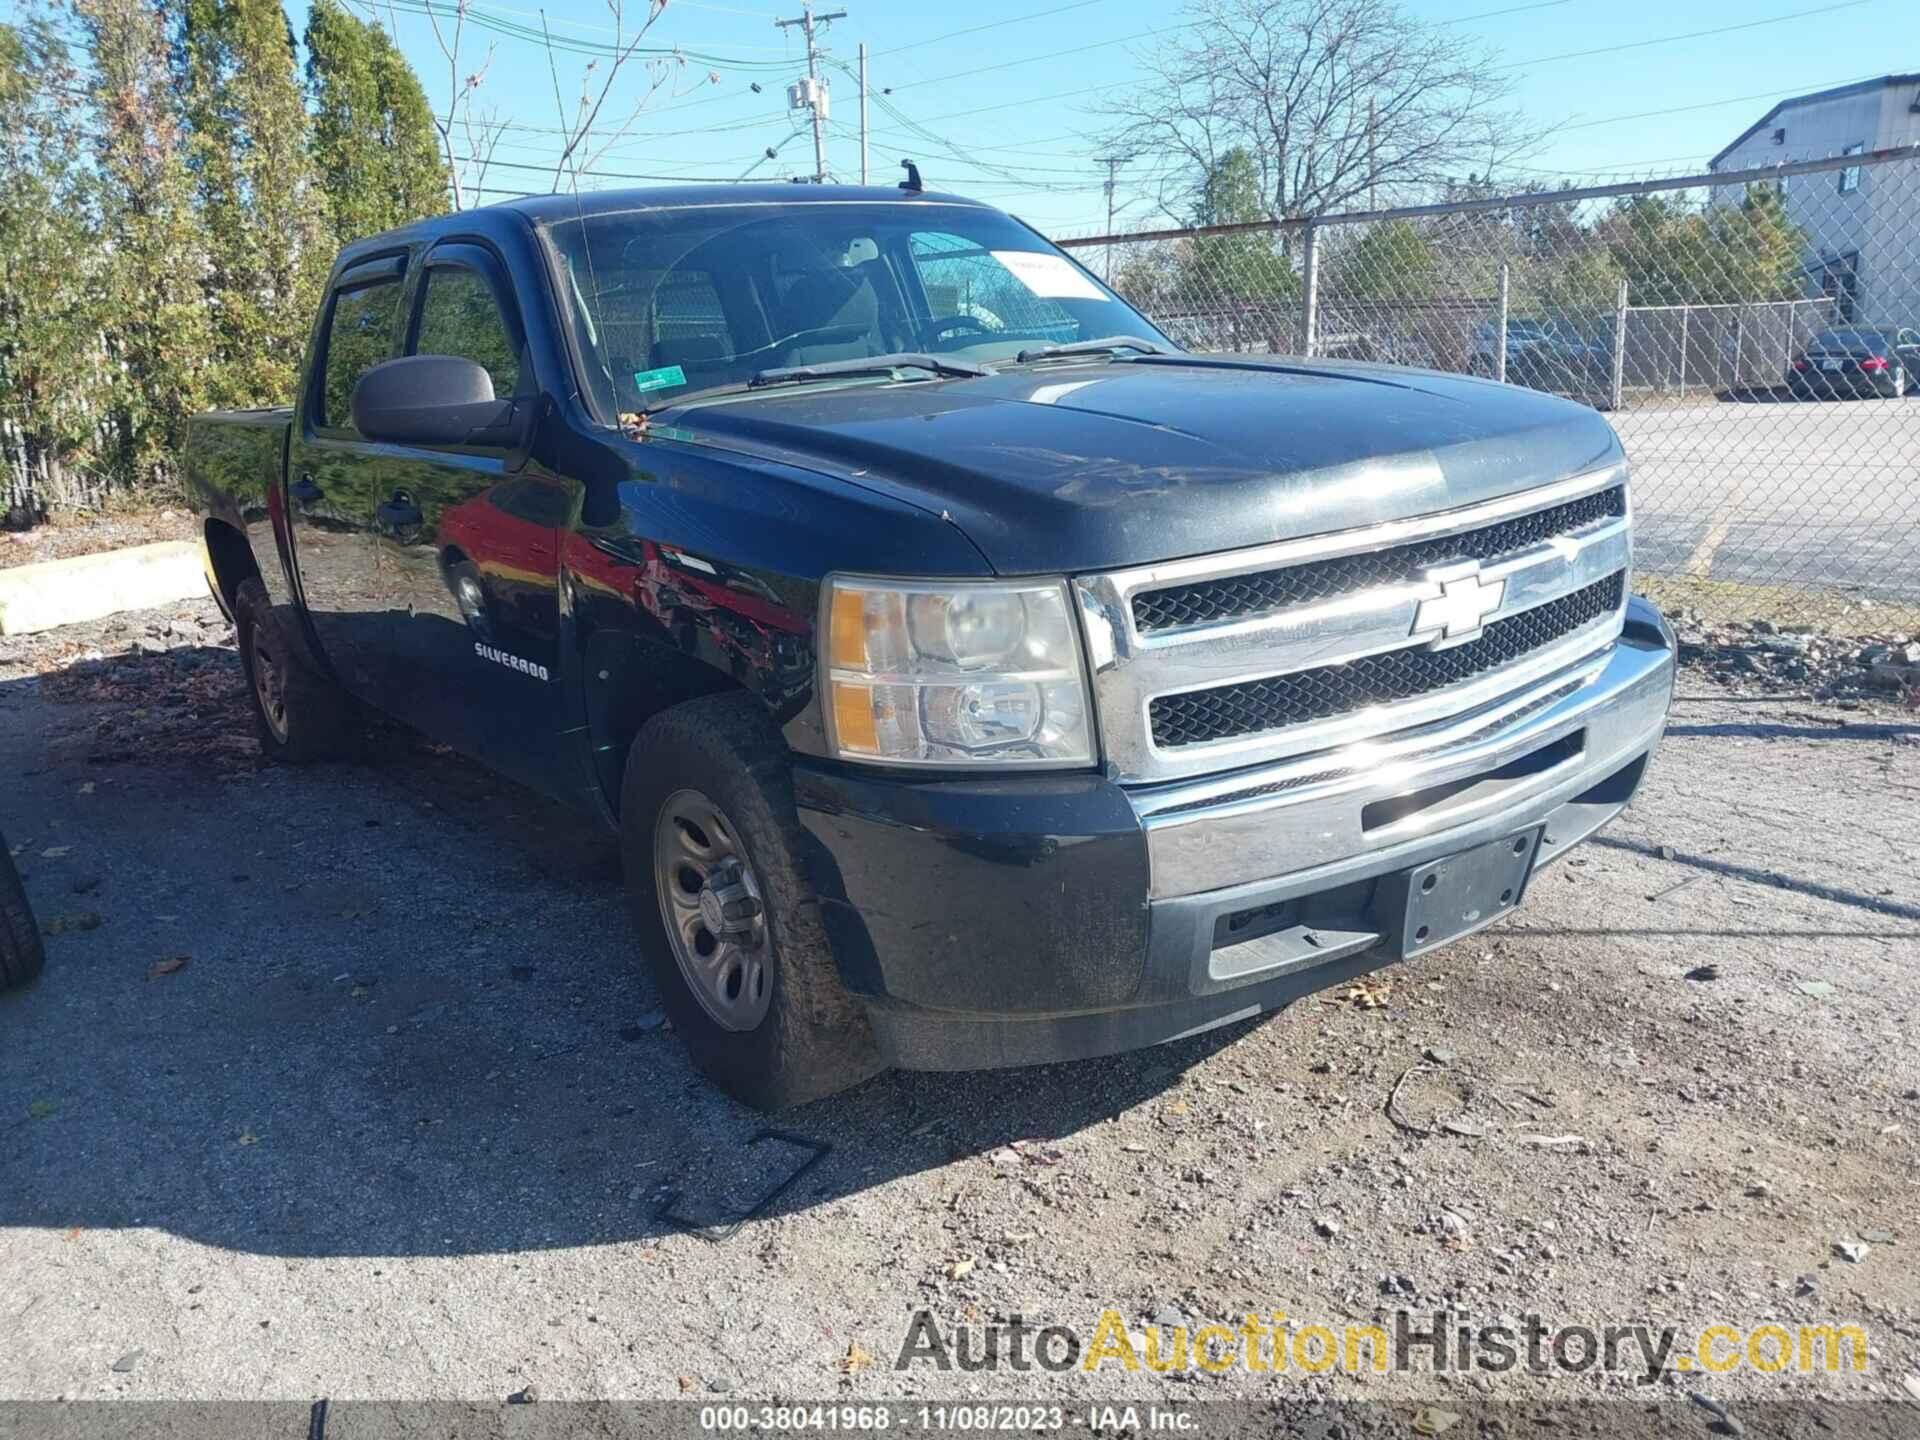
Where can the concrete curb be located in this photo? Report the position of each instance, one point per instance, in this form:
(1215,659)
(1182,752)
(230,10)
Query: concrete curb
(86,587)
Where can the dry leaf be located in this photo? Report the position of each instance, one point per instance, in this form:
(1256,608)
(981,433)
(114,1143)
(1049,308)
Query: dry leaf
(1178,1107)
(1431,1420)
(172,965)
(855,1359)
(959,1269)
(1370,994)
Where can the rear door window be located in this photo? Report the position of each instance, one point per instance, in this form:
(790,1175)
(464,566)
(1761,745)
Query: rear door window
(359,336)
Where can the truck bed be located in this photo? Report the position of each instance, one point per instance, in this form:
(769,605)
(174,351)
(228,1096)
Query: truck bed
(232,458)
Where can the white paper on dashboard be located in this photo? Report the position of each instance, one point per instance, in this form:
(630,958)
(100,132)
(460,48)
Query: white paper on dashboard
(1048,276)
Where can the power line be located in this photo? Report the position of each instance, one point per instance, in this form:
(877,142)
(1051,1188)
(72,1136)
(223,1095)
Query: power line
(1691,35)
(990,25)
(1704,105)
(1510,10)
(1036,59)
(590,174)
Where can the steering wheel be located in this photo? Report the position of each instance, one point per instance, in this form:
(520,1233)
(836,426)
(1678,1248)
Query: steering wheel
(967,324)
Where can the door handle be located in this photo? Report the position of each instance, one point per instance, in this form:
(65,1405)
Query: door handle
(305,491)
(399,513)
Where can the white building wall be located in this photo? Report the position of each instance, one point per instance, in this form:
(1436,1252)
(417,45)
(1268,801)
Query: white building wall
(1879,220)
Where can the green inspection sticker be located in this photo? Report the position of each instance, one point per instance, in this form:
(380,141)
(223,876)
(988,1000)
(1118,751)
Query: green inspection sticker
(660,379)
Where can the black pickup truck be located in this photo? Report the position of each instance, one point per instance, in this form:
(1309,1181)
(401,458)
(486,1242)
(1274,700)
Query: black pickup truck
(972,677)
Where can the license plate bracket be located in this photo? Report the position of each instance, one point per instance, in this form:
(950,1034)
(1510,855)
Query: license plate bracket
(1426,907)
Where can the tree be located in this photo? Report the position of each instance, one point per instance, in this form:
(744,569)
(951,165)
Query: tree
(1583,284)
(1723,255)
(1334,100)
(1391,261)
(1226,268)
(260,203)
(373,137)
(52,376)
(161,339)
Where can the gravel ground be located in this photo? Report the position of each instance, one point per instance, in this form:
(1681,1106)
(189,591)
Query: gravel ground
(340,1083)
(91,534)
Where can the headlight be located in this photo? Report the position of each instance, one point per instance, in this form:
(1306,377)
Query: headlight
(951,674)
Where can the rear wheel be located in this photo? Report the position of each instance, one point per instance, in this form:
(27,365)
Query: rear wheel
(729,926)
(301,715)
(21,955)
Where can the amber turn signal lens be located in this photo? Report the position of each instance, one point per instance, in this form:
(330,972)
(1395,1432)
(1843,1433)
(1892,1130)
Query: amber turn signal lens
(848,623)
(853,716)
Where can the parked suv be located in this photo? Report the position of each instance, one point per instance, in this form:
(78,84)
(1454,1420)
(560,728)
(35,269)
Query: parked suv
(972,677)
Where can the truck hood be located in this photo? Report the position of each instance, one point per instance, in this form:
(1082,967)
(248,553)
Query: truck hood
(1077,467)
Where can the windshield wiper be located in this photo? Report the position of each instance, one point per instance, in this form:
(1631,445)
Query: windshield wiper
(1091,347)
(825,370)
(869,365)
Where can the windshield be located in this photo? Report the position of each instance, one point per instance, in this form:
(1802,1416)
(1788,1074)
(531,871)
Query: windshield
(672,300)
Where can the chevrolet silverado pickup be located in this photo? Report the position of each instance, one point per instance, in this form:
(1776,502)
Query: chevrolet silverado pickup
(971,676)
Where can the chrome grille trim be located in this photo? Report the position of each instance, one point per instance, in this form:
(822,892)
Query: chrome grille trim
(1385,678)
(1224,598)
(1131,668)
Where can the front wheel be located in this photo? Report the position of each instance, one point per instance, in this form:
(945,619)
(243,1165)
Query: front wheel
(729,926)
(21,955)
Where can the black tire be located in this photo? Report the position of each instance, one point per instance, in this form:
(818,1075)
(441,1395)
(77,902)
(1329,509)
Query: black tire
(813,1039)
(314,719)
(21,954)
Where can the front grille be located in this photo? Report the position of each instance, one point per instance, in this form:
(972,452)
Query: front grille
(1237,596)
(1252,706)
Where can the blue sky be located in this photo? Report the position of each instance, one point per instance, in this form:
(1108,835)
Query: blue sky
(1018,95)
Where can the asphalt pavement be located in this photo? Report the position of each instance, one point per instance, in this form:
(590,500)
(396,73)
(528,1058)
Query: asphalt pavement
(1757,489)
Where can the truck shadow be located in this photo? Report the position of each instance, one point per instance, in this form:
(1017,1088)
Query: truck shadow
(406,1019)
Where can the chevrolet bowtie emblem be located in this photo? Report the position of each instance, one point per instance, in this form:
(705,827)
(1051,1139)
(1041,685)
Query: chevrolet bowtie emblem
(1459,612)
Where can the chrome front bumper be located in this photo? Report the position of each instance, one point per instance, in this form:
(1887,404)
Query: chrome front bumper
(1381,805)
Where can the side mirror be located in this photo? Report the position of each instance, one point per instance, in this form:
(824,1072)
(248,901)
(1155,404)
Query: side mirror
(433,400)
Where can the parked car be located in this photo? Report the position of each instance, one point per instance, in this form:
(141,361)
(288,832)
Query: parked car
(1545,355)
(1857,362)
(1521,333)
(1564,364)
(21,955)
(962,695)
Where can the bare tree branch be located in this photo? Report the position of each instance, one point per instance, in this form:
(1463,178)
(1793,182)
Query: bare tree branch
(1334,101)
(460,93)
(576,132)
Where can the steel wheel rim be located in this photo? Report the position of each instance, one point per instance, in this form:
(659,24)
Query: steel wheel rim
(270,687)
(711,906)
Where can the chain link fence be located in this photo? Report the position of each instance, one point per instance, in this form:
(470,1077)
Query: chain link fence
(1754,337)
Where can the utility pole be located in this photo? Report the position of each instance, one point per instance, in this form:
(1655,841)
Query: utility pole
(863,112)
(810,92)
(1113,164)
